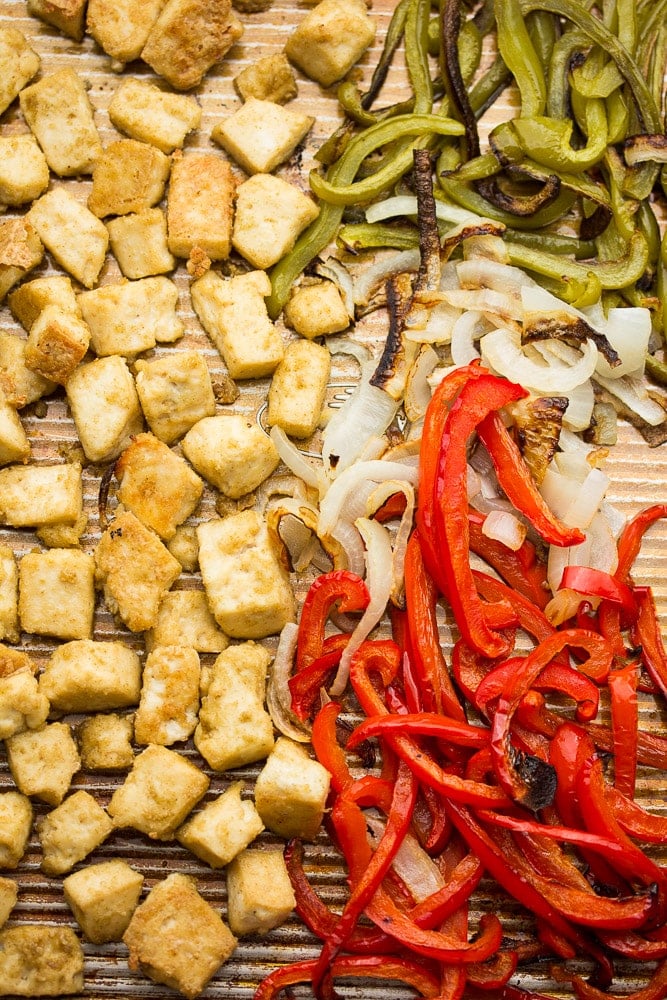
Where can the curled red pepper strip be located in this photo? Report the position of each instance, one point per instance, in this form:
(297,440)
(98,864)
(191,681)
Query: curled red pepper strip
(327,748)
(655,990)
(353,966)
(421,724)
(522,570)
(530,617)
(515,478)
(631,537)
(495,973)
(441,904)
(556,676)
(596,583)
(624,726)
(646,635)
(636,821)
(337,587)
(305,686)
(634,946)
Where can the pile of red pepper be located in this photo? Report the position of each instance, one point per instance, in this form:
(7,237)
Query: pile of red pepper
(498,763)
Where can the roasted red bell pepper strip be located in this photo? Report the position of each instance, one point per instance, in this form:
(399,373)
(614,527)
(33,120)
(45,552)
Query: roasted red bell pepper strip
(422,724)
(516,480)
(655,990)
(306,685)
(383,967)
(596,583)
(555,676)
(327,748)
(522,570)
(636,821)
(631,537)
(337,587)
(495,973)
(646,635)
(624,726)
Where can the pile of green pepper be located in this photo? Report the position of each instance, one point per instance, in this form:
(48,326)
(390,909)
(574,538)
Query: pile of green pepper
(575,178)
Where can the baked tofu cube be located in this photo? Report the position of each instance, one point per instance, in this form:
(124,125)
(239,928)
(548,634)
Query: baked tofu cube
(66,15)
(291,791)
(127,318)
(29,299)
(188,38)
(233,313)
(71,831)
(40,960)
(230,452)
(143,111)
(157,485)
(259,892)
(261,135)
(8,895)
(105,407)
(19,384)
(43,761)
(184,547)
(74,236)
(128,177)
(298,388)
(103,898)
(15,826)
(271,78)
(184,619)
(175,392)
(105,742)
(57,593)
(330,39)
(24,172)
(222,828)
(270,214)
(14,443)
(139,243)
(135,570)
(18,64)
(158,793)
(22,705)
(169,703)
(317,310)
(57,342)
(9,596)
(246,583)
(86,675)
(200,205)
(121,27)
(234,727)
(34,495)
(63,536)
(21,250)
(60,117)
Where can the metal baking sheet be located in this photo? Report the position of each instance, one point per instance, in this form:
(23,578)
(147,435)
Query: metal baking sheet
(638,477)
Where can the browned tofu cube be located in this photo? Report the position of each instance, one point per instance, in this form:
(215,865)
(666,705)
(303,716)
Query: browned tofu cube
(60,117)
(18,64)
(200,205)
(39,960)
(121,27)
(21,249)
(129,176)
(57,342)
(65,15)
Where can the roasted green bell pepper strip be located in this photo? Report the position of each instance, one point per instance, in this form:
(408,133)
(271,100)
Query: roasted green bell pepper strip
(465,196)
(518,52)
(548,141)
(373,235)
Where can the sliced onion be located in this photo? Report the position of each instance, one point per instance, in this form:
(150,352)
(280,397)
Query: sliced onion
(628,330)
(414,867)
(633,394)
(278,697)
(562,606)
(496,305)
(505,528)
(501,350)
(439,325)
(417,390)
(469,327)
(350,547)
(590,495)
(378,580)
(337,273)
(580,403)
(406,204)
(366,414)
(296,461)
(378,497)
(382,268)
(480,272)
(350,481)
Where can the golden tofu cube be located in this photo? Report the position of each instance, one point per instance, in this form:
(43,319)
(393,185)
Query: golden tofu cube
(128,176)
(271,78)
(105,742)
(35,495)
(21,250)
(28,300)
(261,135)
(139,243)
(15,826)
(22,705)
(66,15)
(317,310)
(169,702)
(234,727)
(14,443)
(103,898)
(330,39)
(19,384)
(18,64)
(57,593)
(63,536)
(121,27)
(43,761)
(24,172)
(298,388)
(233,312)
(157,485)
(71,233)
(230,452)
(91,676)
(270,214)
(291,791)
(185,619)
(143,111)
(57,342)
(259,892)
(247,585)
(222,828)
(9,892)
(175,392)
(40,960)
(158,793)
(200,205)
(188,38)
(60,116)
(128,318)
(105,407)
(71,831)
(9,596)
(135,570)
